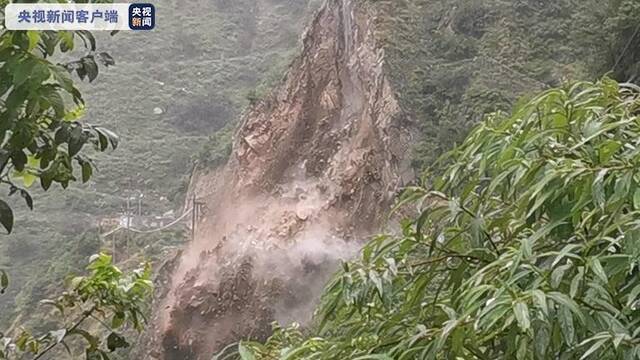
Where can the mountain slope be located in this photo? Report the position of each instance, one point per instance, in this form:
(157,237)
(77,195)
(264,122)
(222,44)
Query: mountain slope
(314,168)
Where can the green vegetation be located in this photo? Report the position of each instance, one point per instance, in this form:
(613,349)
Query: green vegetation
(41,136)
(217,150)
(452,61)
(106,297)
(525,248)
(40,116)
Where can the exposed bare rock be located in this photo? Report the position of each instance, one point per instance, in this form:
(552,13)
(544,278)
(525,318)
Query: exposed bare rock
(314,168)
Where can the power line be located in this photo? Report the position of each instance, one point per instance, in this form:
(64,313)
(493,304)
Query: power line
(163,227)
(112,231)
(138,231)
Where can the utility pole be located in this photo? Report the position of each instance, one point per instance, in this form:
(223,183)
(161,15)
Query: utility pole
(194,216)
(128,232)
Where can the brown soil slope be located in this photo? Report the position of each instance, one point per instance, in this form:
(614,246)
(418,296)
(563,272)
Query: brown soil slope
(314,169)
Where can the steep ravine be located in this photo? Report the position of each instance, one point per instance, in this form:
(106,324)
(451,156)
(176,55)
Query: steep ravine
(314,169)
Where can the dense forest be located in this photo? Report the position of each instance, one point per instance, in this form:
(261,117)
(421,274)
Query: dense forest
(515,239)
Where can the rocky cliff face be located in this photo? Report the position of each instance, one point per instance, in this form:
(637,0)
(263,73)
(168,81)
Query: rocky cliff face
(314,168)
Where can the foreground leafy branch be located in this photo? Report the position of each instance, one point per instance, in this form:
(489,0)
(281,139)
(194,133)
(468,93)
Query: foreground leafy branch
(526,247)
(107,297)
(41,135)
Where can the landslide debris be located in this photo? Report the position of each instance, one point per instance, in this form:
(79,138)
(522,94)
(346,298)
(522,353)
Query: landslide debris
(314,168)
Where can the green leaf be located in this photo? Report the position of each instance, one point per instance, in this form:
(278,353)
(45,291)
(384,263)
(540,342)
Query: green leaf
(598,189)
(117,320)
(19,159)
(575,283)
(599,270)
(27,198)
(558,274)
(77,140)
(4,281)
(67,42)
(103,141)
(61,75)
(541,300)
(110,135)
(62,135)
(28,179)
(523,348)
(597,345)
(633,295)
(34,38)
(607,149)
(106,59)
(477,231)
(541,342)
(566,324)
(564,301)
(521,312)
(87,171)
(88,36)
(90,67)
(22,340)
(245,352)
(636,199)
(6,216)
(375,278)
(116,341)
(75,114)
(374,357)
(23,71)
(46,179)
(97,261)
(57,103)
